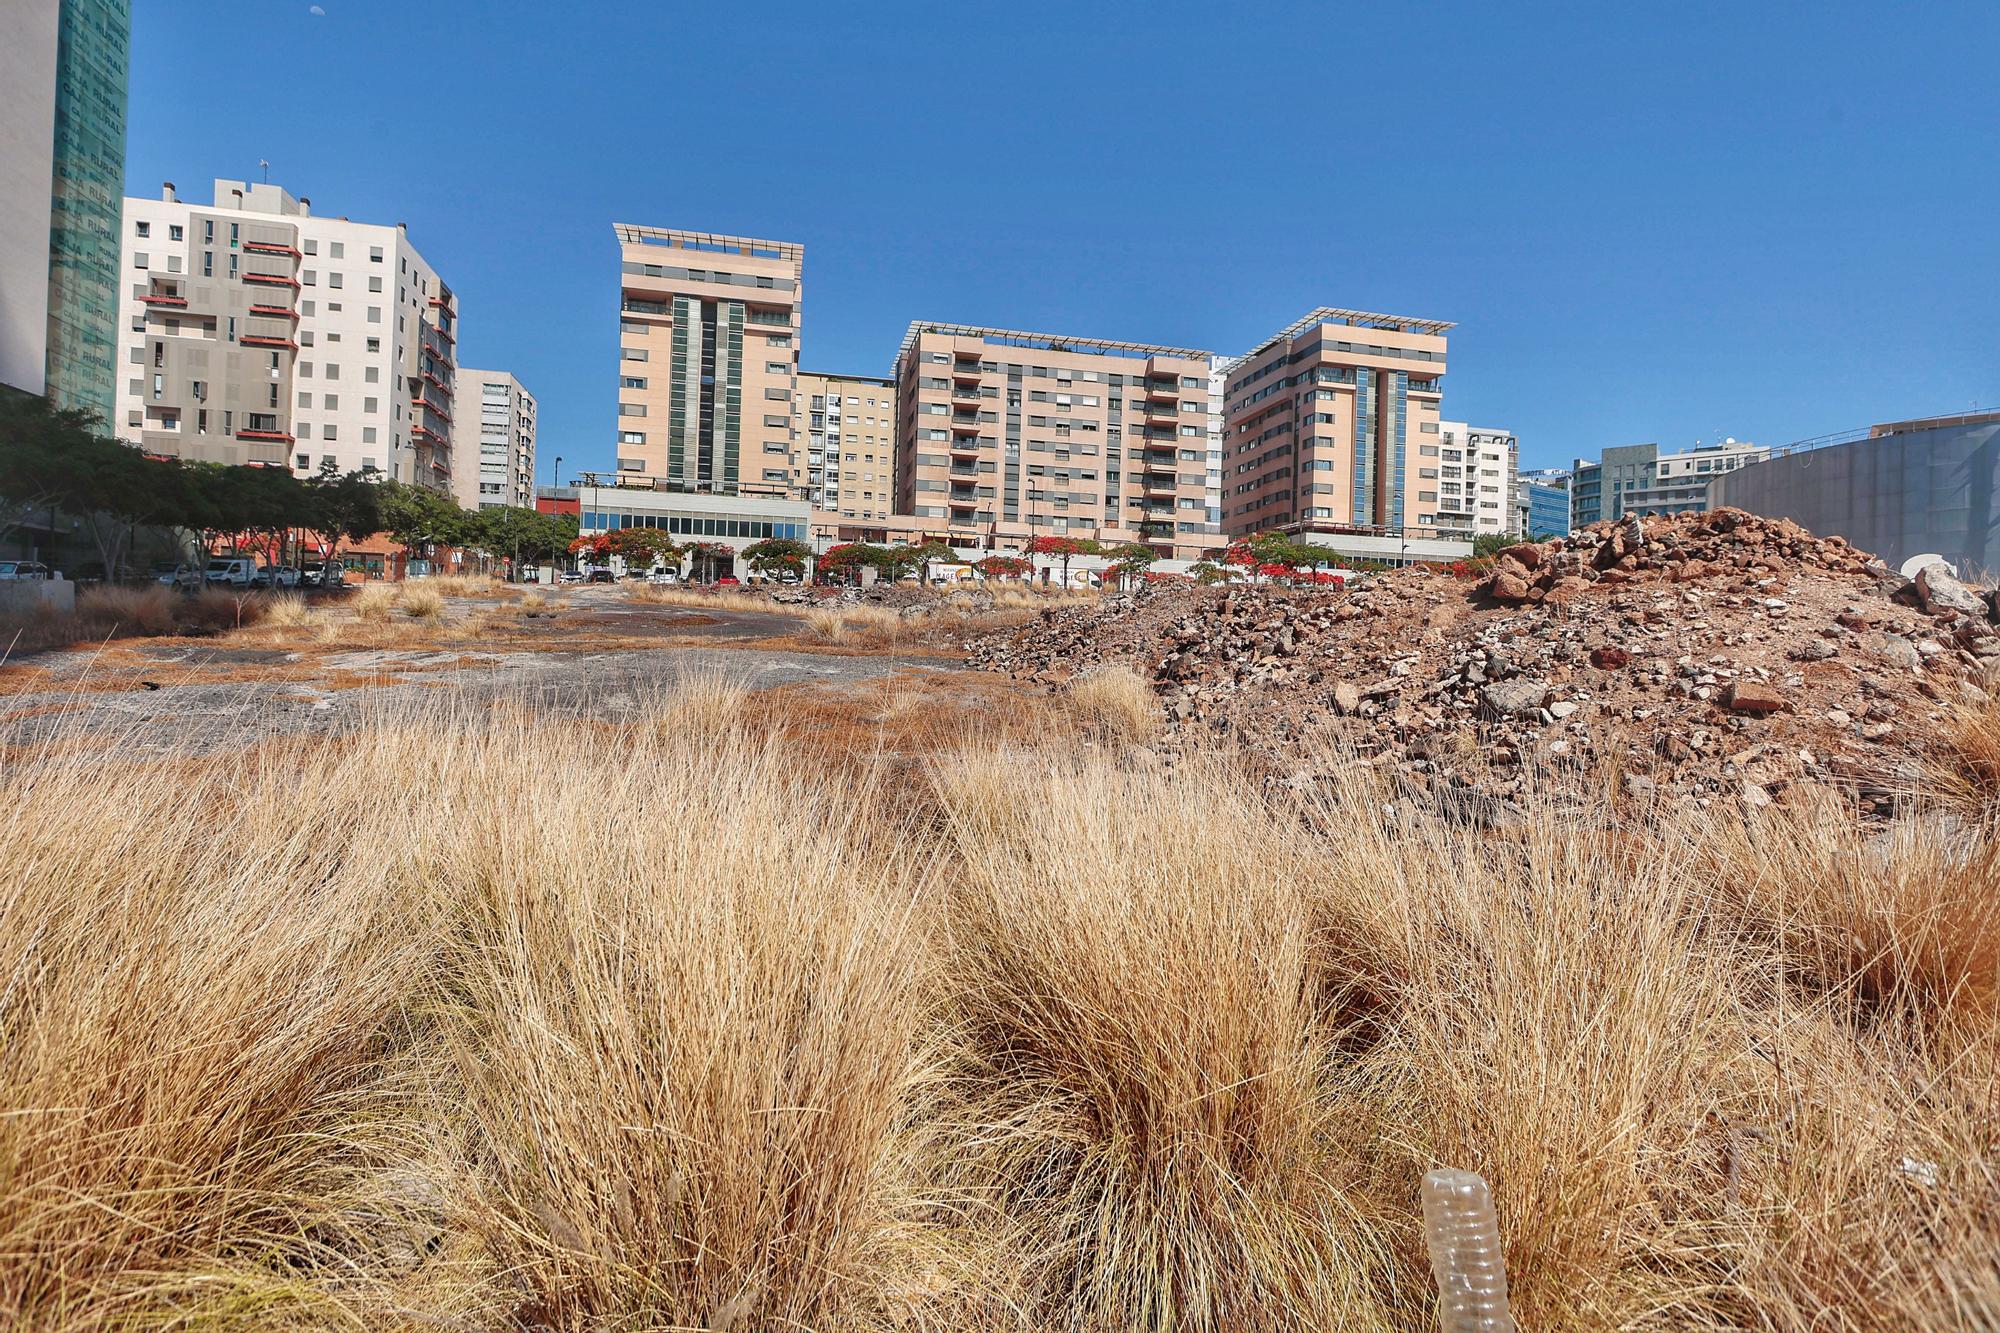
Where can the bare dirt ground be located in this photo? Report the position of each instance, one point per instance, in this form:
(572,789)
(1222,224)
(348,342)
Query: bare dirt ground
(587,653)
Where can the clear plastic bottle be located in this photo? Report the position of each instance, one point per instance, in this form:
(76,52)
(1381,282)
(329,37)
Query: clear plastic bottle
(1464,1237)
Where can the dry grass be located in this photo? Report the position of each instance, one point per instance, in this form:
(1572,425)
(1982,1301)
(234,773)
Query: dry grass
(107,613)
(1117,703)
(723,1020)
(466,585)
(707,599)
(421,601)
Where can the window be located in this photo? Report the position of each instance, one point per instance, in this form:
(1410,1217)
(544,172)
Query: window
(374,314)
(332,367)
(311,247)
(142,228)
(305,400)
(330,432)
(374,284)
(371,374)
(631,382)
(631,409)
(139,259)
(374,344)
(304,462)
(371,405)
(374,254)
(632,354)
(331,402)
(335,250)
(232,265)
(368,437)
(309,276)
(631,437)
(778,367)
(334,279)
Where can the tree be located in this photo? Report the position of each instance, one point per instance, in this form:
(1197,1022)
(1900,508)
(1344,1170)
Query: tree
(1207,571)
(1004,567)
(1063,548)
(1130,561)
(643,547)
(420,518)
(707,556)
(345,507)
(1491,544)
(927,553)
(37,470)
(778,555)
(846,560)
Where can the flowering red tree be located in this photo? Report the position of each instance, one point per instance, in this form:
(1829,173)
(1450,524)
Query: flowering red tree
(1063,548)
(1003,567)
(846,560)
(708,556)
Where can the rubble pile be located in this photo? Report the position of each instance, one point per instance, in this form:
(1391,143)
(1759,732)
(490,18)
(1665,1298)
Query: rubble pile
(1717,656)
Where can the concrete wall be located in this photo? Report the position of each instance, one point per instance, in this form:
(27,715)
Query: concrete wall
(1896,495)
(26,596)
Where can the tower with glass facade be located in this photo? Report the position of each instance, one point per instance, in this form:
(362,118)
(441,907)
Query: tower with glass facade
(87,188)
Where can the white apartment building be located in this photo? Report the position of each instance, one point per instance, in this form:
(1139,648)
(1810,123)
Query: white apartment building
(1477,479)
(253,332)
(493,441)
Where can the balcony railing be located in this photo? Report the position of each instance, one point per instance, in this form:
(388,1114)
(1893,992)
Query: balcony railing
(270,248)
(248,434)
(266,340)
(271,279)
(274,311)
(164,299)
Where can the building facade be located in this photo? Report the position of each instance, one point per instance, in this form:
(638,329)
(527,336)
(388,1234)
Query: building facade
(708,360)
(493,441)
(1542,501)
(1639,479)
(845,464)
(1004,436)
(1899,489)
(89,185)
(1477,480)
(62,155)
(253,332)
(1331,431)
(604,502)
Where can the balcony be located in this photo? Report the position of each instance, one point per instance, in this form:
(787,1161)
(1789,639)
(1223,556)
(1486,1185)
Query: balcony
(271,279)
(965,425)
(267,340)
(1161,485)
(274,311)
(164,298)
(1163,390)
(280,437)
(270,248)
(963,502)
(1431,387)
(965,448)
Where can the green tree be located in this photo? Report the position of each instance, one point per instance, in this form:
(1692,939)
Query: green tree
(846,560)
(1491,544)
(930,552)
(1064,549)
(709,557)
(346,507)
(1130,561)
(778,555)
(421,519)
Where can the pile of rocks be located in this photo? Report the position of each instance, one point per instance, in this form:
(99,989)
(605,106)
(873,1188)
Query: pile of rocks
(1713,656)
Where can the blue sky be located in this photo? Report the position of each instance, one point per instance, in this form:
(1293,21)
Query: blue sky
(1659,222)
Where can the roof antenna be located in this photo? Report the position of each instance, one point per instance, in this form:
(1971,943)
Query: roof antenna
(266,165)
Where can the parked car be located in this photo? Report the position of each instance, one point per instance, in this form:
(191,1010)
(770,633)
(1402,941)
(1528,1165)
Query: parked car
(602,576)
(231,572)
(278,576)
(729,581)
(664,576)
(570,576)
(13,570)
(181,576)
(319,574)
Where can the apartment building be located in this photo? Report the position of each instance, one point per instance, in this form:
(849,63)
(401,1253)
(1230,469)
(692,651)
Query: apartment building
(493,442)
(1639,479)
(1005,435)
(1478,469)
(708,360)
(62,155)
(253,332)
(847,465)
(1331,430)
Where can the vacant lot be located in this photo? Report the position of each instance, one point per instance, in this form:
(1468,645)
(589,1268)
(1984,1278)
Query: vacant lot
(893,997)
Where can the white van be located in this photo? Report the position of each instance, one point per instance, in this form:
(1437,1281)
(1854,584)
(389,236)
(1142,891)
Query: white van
(231,572)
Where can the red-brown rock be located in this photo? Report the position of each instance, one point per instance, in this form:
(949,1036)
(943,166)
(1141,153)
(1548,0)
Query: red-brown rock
(1749,697)
(1610,657)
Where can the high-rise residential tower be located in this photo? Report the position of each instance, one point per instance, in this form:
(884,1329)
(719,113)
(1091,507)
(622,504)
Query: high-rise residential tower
(708,360)
(62,157)
(847,466)
(493,441)
(1477,485)
(1005,436)
(252,331)
(1331,431)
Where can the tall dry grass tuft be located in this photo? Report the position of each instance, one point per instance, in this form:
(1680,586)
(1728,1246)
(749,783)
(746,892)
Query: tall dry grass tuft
(420,601)
(129,611)
(1116,703)
(465,585)
(373,601)
(1135,1083)
(286,610)
(827,626)
(197,1038)
(685,1038)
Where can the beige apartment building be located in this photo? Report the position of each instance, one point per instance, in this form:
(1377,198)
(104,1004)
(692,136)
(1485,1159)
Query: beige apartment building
(251,331)
(493,448)
(708,361)
(846,467)
(1004,436)
(1330,430)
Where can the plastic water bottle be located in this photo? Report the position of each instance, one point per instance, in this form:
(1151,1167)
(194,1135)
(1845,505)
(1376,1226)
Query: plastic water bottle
(1464,1238)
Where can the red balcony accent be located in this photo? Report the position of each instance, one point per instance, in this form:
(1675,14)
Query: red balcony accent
(274,279)
(271,248)
(274,311)
(164,300)
(426,433)
(442,386)
(247,434)
(266,340)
